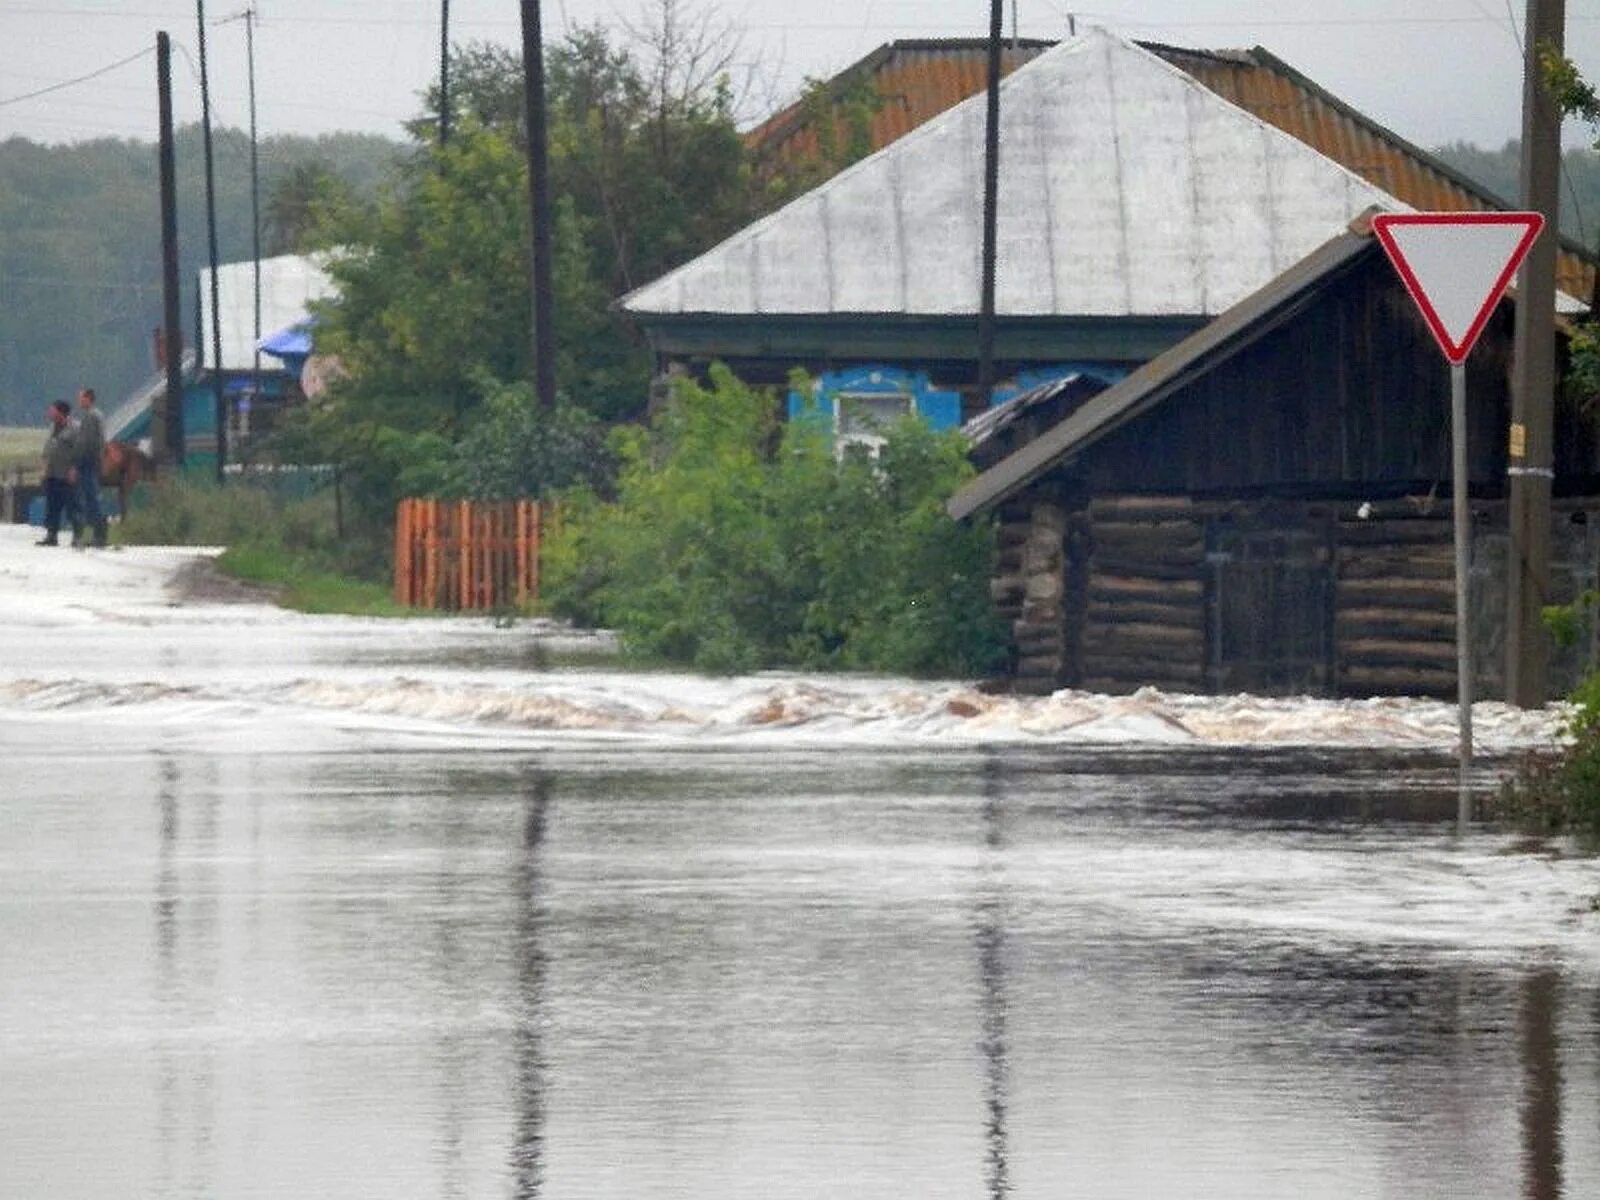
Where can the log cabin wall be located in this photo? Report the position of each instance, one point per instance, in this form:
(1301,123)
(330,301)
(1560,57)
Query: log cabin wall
(1241,594)
(1144,614)
(1031,590)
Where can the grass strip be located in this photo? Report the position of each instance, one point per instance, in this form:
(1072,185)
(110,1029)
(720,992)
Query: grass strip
(305,588)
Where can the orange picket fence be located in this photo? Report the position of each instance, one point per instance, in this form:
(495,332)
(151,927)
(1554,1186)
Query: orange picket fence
(460,555)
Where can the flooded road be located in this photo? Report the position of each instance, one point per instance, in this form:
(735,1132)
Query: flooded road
(264,940)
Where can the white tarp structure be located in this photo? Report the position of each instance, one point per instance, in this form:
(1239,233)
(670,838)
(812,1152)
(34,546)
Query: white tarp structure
(1127,188)
(289,283)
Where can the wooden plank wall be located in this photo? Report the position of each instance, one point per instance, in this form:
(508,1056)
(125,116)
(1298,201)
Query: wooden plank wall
(1144,623)
(465,555)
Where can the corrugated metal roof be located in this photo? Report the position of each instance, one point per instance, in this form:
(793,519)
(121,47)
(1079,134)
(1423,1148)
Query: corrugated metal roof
(1244,323)
(915,80)
(289,283)
(1128,189)
(1265,85)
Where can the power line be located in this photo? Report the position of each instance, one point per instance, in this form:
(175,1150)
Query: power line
(66,83)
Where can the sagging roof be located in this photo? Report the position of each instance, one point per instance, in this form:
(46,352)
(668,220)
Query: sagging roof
(1261,83)
(289,283)
(1243,324)
(912,80)
(1128,189)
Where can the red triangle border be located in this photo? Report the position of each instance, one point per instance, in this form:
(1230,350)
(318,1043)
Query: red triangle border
(1455,351)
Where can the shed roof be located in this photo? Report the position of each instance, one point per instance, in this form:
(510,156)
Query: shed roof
(1128,189)
(289,283)
(1239,327)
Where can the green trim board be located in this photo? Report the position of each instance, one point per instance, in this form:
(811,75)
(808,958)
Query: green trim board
(813,339)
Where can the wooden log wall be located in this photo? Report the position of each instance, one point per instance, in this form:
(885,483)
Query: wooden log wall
(465,555)
(1394,601)
(1118,593)
(1144,621)
(1030,590)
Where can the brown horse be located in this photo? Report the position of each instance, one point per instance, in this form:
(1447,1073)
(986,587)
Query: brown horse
(122,464)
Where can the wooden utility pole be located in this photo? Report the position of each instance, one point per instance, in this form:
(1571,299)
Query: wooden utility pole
(167,421)
(221,406)
(991,196)
(543,292)
(444,73)
(1530,462)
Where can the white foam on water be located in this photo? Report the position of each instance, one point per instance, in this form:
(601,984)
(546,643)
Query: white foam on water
(97,634)
(764,710)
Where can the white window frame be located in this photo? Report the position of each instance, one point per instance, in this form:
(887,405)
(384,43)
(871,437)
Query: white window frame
(843,440)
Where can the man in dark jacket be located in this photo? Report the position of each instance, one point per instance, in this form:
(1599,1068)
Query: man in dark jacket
(91,445)
(60,473)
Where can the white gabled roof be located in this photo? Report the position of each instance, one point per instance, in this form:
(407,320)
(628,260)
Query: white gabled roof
(289,283)
(1127,188)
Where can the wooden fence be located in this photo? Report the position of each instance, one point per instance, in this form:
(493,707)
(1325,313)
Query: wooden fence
(461,555)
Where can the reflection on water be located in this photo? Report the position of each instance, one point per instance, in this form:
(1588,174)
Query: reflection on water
(1541,1105)
(527,1151)
(358,973)
(992,981)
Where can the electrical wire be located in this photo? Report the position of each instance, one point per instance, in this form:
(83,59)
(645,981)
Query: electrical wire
(66,83)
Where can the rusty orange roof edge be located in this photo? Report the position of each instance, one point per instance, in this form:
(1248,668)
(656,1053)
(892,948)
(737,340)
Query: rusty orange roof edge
(786,120)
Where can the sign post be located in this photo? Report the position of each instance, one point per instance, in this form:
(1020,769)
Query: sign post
(1456,267)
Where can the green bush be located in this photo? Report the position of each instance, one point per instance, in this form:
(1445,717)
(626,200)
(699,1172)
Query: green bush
(738,542)
(1558,793)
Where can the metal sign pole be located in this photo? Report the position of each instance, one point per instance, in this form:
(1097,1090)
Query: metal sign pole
(1463,520)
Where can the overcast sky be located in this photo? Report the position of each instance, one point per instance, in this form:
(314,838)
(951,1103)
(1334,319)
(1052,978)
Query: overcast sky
(1432,70)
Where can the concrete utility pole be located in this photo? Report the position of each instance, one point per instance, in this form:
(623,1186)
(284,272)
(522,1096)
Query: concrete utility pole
(166,426)
(1531,464)
(544,342)
(991,197)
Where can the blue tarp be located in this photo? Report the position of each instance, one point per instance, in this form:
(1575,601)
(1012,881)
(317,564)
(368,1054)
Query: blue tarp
(293,342)
(293,345)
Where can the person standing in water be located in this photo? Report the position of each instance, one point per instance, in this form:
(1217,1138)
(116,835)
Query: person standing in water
(60,473)
(91,445)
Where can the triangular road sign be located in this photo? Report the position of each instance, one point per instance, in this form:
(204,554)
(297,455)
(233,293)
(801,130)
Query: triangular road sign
(1457,265)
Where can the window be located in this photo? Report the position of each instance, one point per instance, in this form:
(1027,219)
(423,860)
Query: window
(862,419)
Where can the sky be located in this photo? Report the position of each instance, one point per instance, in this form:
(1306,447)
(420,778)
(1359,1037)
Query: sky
(1434,71)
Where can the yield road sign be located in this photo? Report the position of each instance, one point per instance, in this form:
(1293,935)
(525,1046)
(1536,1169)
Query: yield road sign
(1457,265)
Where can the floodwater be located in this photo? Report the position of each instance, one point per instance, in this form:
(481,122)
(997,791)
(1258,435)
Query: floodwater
(264,935)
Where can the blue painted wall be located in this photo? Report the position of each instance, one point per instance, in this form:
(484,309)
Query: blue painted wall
(940,407)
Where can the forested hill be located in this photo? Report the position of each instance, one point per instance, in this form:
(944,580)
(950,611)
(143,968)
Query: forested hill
(1497,171)
(80,249)
(80,274)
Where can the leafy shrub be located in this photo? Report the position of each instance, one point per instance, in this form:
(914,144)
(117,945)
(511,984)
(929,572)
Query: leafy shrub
(1559,792)
(721,553)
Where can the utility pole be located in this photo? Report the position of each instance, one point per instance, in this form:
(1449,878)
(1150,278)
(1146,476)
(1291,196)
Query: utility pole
(544,357)
(444,73)
(1530,462)
(991,196)
(255,217)
(221,408)
(167,425)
